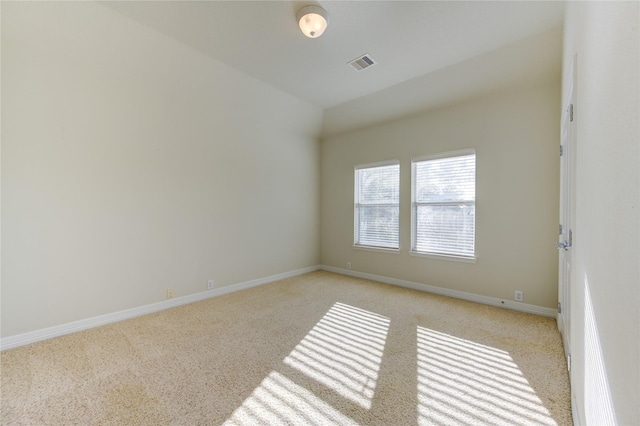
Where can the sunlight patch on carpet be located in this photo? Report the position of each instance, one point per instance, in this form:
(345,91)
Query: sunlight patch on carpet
(279,401)
(343,351)
(463,382)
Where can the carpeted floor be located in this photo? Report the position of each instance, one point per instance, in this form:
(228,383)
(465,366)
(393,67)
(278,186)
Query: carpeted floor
(316,349)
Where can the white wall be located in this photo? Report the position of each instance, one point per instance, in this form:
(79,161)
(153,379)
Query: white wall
(516,136)
(132,164)
(605,342)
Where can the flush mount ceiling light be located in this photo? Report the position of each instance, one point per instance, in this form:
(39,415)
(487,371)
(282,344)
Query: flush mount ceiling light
(313,20)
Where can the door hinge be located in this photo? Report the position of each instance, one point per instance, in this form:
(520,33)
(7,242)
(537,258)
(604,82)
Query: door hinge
(561,150)
(560,229)
(559,307)
(566,244)
(571,112)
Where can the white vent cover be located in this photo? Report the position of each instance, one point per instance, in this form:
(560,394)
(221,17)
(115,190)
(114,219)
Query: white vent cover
(364,61)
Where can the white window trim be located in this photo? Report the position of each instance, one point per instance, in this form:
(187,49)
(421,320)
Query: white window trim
(458,153)
(435,255)
(464,259)
(355,210)
(377,249)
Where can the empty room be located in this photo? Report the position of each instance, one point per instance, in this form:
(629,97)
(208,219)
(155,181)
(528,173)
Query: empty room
(315,213)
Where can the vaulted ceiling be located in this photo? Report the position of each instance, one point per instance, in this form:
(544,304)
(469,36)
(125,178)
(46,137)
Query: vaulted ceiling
(407,39)
(427,52)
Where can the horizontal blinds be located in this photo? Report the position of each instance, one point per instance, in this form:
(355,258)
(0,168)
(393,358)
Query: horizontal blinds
(444,205)
(445,229)
(377,206)
(379,226)
(446,179)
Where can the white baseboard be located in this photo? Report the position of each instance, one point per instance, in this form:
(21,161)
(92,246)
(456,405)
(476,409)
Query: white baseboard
(517,306)
(560,322)
(84,324)
(574,411)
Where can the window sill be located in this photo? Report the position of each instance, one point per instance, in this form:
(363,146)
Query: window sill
(449,257)
(377,249)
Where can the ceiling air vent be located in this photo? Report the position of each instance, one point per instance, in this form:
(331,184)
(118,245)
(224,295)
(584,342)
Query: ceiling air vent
(364,61)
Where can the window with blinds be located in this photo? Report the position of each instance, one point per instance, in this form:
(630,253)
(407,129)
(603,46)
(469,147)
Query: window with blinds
(377,205)
(444,204)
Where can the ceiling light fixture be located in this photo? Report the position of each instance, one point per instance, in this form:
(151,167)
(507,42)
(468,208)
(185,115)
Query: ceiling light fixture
(313,20)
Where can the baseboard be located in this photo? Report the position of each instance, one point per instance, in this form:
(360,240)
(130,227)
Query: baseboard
(517,306)
(84,324)
(72,327)
(574,411)
(560,322)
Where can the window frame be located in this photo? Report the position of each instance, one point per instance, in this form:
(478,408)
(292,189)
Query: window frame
(414,204)
(356,204)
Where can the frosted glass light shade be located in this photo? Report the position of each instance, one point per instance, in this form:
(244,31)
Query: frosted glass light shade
(313,20)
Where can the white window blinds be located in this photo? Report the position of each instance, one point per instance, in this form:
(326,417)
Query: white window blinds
(377,198)
(443,204)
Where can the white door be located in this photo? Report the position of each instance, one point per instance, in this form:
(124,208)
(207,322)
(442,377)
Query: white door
(565,238)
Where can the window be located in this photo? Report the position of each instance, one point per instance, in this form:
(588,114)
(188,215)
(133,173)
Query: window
(443,204)
(377,205)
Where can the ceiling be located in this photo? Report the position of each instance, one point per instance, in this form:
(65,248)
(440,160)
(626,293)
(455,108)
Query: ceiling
(409,40)
(429,53)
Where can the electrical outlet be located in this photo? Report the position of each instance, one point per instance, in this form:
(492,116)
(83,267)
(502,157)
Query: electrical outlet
(210,284)
(169,293)
(348,265)
(518,296)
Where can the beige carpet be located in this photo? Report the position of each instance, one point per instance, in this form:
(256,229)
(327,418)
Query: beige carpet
(316,349)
